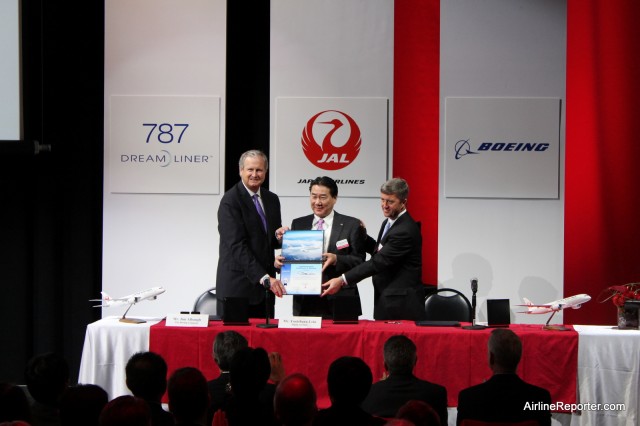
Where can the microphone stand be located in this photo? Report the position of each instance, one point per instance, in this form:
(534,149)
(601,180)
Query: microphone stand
(474,326)
(267,285)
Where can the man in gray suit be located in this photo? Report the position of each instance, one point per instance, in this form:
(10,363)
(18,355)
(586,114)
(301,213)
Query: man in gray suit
(344,245)
(396,260)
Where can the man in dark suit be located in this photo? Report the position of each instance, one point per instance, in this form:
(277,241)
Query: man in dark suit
(344,246)
(400,386)
(396,262)
(146,378)
(248,218)
(505,397)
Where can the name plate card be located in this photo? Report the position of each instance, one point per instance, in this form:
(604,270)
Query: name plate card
(300,322)
(187,320)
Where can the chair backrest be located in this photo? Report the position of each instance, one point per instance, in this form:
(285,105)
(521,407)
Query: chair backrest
(206,302)
(441,306)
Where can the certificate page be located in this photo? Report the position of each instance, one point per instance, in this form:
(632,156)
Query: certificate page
(302,269)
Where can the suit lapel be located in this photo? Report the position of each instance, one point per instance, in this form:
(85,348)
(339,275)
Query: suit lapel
(336,231)
(248,202)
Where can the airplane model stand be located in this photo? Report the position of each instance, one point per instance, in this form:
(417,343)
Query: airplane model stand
(557,327)
(131,320)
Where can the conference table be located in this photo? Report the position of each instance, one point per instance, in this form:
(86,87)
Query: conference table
(586,365)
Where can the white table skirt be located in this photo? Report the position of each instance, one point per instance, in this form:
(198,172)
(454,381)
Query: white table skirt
(108,345)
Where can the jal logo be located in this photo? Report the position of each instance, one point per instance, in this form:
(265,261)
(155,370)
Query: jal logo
(331,140)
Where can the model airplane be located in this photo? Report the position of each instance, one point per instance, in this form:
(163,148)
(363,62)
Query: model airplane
(573,302)
(132,299)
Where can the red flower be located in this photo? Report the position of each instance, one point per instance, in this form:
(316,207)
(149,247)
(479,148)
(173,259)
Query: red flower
(620,293)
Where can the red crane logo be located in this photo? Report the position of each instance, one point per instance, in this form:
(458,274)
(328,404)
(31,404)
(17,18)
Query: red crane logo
(331,154)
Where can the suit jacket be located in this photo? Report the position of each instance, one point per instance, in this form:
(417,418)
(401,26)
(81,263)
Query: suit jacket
(387,396)
(343,228)
(502,398)
(246,251)
(396,270)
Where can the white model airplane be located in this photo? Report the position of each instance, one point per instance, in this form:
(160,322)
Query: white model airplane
(132,299)
(573,302)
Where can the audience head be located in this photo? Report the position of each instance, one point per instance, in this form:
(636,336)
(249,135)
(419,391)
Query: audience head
(126,410)
(249,372)
(188,395)
(400,355)
(419,413)
(349,381)
(81,405)
(295,401)
(225,345)
(505,350)
(47,376)
(14,404)
(147,375)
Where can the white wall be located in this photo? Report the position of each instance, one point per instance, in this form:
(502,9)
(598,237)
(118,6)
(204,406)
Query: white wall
(503,48)
(10,70)
(332,48)
(161,47)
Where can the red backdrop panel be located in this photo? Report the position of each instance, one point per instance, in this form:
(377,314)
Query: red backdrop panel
(416,117)
(602,202)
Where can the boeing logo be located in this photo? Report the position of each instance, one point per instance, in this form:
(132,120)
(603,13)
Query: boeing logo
(463,147)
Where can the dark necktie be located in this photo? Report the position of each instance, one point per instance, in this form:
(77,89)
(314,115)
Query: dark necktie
(256,201)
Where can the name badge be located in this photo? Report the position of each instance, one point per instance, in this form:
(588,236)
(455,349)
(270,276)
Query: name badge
(342,244)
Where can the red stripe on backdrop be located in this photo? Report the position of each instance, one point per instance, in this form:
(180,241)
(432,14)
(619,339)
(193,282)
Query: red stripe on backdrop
(602,203)
(416,117)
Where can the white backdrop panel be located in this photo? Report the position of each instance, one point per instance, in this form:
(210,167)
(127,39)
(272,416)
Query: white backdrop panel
(167,48)
(514,247)
(332,48)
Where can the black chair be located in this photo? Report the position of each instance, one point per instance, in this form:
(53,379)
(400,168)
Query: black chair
(443,307)
(206,303)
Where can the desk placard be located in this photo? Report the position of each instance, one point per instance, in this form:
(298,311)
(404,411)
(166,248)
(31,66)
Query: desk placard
(300,322)
(187,320)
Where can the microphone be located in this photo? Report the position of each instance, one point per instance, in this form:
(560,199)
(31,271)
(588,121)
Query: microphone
(474,290)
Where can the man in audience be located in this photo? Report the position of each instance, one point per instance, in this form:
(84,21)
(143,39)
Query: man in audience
(395,266)
(126,410)
(47,377)
(225,345)
(295,401)
(387,396)
(81,405)
(349,381)
(250,370)
(14,405)
(188,397)
(146,374)
(505,397)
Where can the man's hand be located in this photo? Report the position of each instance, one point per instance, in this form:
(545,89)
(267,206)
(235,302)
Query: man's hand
(280,232)
(278,262)
(332,286)
(277,368)
(329,259)
(276,287)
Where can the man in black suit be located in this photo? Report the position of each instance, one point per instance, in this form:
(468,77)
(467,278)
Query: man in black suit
(344,246)
(396,262)
(248,218)
(505,397)
(400,386)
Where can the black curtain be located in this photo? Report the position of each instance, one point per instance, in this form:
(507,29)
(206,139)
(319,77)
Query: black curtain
(51,215)
(51,208)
